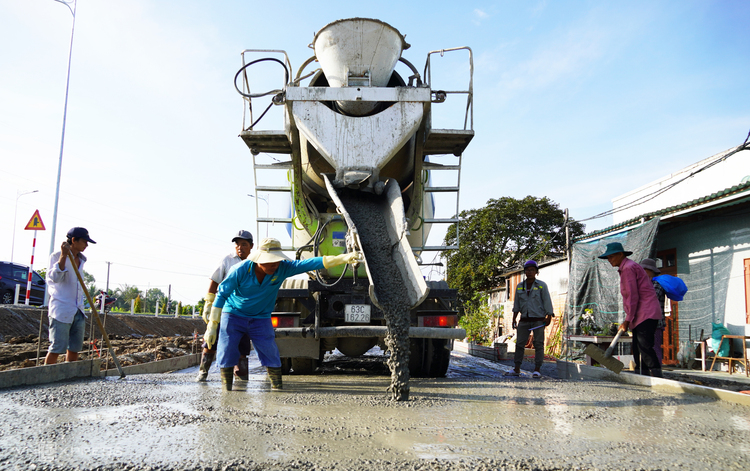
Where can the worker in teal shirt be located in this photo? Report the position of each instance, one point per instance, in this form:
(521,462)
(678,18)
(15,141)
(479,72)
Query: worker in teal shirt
(244,303)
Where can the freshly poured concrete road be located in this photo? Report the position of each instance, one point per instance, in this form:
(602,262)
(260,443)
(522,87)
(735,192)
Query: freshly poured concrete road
(474,419)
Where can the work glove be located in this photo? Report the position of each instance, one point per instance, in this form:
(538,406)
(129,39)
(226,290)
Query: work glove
(207,307)
(330,261)
(212,330)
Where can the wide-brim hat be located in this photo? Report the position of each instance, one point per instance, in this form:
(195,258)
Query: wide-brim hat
(650,264)
(269,251)
(613,248)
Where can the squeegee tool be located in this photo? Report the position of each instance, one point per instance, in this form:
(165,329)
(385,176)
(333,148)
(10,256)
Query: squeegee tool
(604,358)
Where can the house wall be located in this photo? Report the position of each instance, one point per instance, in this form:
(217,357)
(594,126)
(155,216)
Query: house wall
(721,176)
(710,260)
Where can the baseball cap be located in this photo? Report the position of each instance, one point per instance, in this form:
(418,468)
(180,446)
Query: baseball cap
(80,233)
(243,235)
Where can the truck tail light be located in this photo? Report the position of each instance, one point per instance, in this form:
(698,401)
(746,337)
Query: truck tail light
(450,320)
(283,321)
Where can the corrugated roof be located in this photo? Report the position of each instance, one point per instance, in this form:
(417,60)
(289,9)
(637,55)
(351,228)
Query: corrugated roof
(719,195)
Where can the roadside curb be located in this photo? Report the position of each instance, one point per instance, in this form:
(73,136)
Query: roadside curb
(570,370)
(49,373)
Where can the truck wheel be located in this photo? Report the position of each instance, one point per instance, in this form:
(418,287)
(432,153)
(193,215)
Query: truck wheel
(304,366)
(7,297)
(429,358)
(286,366)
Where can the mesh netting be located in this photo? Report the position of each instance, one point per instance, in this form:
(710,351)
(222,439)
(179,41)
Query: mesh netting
(594,284)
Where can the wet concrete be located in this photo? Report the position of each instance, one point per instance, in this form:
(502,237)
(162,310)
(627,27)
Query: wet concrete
(368,212)
(474,419)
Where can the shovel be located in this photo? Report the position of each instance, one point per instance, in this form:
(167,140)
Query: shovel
(605,358)
(96,316)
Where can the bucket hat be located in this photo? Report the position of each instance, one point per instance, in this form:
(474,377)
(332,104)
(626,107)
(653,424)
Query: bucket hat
(269,251)
(613,248)
(243,235)
(650,264)
(80,233)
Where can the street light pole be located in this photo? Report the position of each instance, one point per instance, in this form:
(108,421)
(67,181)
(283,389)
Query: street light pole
(264,198)
(15,213)
(65,115)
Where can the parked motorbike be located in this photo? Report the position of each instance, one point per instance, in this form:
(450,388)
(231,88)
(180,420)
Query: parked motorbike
(107,304)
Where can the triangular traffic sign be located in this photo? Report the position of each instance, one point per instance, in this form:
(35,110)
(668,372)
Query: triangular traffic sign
(35,223)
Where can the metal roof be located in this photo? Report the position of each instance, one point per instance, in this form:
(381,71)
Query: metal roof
(696,205)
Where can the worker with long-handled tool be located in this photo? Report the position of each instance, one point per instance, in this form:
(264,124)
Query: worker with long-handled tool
(534,304)
(245,301)
(642,310)
(67,321)
(243,244)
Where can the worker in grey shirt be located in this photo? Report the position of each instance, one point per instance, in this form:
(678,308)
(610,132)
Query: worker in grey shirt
(533,302)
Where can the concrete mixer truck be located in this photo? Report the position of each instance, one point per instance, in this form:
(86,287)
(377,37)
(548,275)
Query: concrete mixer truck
(356,152)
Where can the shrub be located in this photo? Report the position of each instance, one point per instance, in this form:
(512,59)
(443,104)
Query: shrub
(476,322)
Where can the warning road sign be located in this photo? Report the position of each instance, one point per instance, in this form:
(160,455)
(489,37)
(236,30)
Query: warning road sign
(35,223)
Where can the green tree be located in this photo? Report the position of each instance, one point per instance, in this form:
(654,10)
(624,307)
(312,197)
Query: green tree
(501,236)
(138,304)
(42,272)
(179,309)
(152,296)
(126,293)
(90,282)
(163,309)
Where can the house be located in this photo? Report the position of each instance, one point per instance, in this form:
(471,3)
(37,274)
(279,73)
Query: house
(696,223)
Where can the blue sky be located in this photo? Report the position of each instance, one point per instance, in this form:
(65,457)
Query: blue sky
(579,101)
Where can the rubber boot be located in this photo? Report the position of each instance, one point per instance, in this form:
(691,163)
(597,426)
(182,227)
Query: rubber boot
(240,371)
(207,358)
(274,374)
(227,377)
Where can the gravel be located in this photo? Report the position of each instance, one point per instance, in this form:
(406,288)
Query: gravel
(472,420)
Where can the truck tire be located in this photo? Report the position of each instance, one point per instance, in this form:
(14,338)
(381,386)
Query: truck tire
(286,366)
(429,358)
(304,366)
(7,297)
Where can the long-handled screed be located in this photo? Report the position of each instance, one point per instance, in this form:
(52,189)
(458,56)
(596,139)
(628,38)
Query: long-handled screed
(605,358)
(96,316)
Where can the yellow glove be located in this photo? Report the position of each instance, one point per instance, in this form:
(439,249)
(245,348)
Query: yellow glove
(212,331)
(336,260)
(207,307)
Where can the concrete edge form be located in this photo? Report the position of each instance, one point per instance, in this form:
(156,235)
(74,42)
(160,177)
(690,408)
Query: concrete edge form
(50,373)
(161,366)
(570,370)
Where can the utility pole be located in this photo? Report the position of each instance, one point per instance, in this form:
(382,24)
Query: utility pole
(169,299)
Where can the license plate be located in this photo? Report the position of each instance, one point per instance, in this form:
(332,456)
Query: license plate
(359,313)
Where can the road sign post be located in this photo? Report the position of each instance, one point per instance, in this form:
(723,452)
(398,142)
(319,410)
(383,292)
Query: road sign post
(35,224)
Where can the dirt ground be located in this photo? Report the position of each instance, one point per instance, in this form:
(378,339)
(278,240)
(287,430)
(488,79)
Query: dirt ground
(135,339)
(21,352)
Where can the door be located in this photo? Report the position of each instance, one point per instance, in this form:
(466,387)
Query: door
(671,344)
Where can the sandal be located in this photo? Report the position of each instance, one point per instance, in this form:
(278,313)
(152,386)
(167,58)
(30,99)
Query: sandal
(511,373)
(536,374)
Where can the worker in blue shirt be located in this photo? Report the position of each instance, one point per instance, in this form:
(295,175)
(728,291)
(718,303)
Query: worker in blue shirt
(244,303)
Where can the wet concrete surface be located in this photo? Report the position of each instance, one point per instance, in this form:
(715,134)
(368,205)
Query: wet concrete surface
(473,419)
